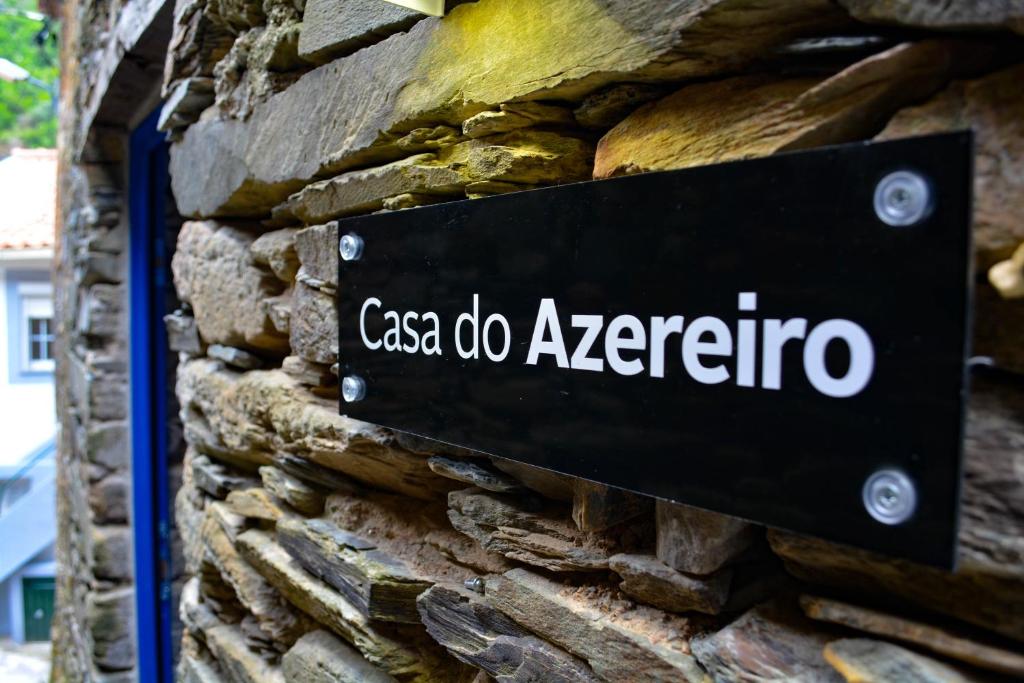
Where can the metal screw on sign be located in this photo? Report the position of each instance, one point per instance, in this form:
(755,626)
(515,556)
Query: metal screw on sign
(902,198)
(351,247)
(353,389)
(890,497)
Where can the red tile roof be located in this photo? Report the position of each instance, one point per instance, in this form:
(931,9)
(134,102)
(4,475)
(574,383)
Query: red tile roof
(28,199)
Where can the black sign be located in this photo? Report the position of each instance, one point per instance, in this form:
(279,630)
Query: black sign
(781,339)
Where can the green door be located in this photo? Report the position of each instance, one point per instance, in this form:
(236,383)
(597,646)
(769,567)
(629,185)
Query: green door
(38,599)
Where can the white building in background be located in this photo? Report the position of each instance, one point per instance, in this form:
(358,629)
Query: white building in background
(28,184)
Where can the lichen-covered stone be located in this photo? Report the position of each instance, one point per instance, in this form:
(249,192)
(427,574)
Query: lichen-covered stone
(524,157)
(757,115)
(513,116)
(398,650)
(508,50)
(379,584)
(214,272)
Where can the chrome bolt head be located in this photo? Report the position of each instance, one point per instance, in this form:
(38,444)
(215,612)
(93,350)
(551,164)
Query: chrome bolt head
(351,247)
(353,389)
(889,497)
(902,198)
(476,584)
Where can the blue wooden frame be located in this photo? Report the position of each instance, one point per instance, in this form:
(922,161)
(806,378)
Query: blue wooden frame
(151,505)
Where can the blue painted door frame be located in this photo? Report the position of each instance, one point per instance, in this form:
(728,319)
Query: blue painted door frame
(151,505)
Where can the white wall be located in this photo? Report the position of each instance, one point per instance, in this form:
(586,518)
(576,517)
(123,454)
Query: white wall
(27,409)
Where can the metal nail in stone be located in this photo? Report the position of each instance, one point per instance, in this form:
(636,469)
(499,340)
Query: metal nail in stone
(475,584)
(902,198)
(351,247)
(353,389)
(890,497)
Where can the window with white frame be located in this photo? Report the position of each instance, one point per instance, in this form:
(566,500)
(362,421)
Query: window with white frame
(37,331)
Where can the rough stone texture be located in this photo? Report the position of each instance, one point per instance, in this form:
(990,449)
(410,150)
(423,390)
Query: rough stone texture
(596,507)
(651,581)
(514,116)
(112,553)
(378,584)
(237,661)
(872,661)
(607,107)
(256,503)
(1007,277)
(545,482)
(276,618)
(109,618)
(400,652)
(426,542)
(993,107)
(617,641)
(509,49)
(697,541)
(988,586)
(478,634)
(753,116)
(334,28)
(319,657)
(473,473)
(521,157)
(313,331)
(768,643)
(186,102)
(236,358)
(259,414)
(215,478)
(536,534)
(292,490)
(215,274)
(276,250)
(183,334)
(956,645)
(317,247)
(983,14)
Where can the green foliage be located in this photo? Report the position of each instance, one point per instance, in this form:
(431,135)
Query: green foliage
(27,115)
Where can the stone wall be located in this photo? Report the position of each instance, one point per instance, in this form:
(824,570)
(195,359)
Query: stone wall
(320,548)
